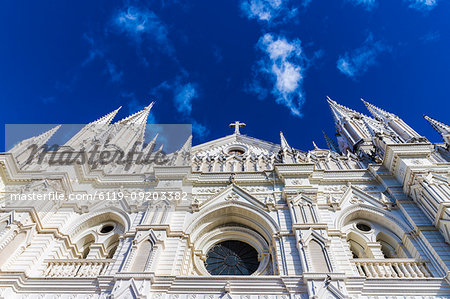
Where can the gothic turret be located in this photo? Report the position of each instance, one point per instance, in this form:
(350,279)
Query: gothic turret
(286,150)
(91,131)
(23,149)
(183,156)
(330,143)
(129,132)
(441,128)
(404,132)
(352,132)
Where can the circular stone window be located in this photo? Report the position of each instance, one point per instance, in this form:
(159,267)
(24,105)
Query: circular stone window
(235,150)
(232,258)
(107,228)
(363,227)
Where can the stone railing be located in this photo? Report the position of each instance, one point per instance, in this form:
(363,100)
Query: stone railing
(76,267)
(392,268)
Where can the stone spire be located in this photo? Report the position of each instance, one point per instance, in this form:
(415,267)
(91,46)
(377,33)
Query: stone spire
(372,126)
(131,130)
(91,131)
(139,117)
(22,150)
(284,144)
(394,123)
(286,150)
(340,112)
(107,119)
(350,128)
(151,145)
(378,113)
(330,143)
(184,154)
(440,127)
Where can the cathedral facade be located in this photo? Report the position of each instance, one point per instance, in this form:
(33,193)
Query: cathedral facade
(235,217)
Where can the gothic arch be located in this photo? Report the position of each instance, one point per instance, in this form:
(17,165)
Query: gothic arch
(317,248)
(241,212)
(381,229)
(141,251)
(374,214)
(358,245)
(87,230)
(232,220)
(109,214)
(318,257)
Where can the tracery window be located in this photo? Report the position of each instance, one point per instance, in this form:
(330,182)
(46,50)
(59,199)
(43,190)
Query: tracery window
(232,258)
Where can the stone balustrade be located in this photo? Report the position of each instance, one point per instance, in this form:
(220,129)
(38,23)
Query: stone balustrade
(76,267)
(392,268)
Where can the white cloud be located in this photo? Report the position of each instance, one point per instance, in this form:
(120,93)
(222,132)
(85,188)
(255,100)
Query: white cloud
(115,74)
(199,130)
(94,51)
(367,4)
(284,64)
(431,36)
(423,4)
(255,87)
(416,4)
(184,95)
(139,23)
(358,61)
(267,10)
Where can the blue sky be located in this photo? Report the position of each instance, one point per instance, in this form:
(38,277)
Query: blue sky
(268,63)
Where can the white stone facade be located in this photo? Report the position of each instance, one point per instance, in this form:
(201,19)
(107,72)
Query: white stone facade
(369,218)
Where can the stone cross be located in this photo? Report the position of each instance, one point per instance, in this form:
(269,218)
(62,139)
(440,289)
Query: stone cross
(236,125)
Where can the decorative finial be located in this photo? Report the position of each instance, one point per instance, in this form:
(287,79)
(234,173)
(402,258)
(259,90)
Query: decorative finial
(315,146)
(236,125)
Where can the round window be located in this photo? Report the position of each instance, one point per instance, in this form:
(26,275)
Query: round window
(237,152)
(363,227)
(107,228)
(232,258)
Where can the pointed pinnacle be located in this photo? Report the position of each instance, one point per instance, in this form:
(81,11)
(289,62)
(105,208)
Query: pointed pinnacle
(376,112)
(39,140)
(151,144)
(283,142)
(315,146)
(48,134)
(139,117)
(107,119)
(339,111)
(187,145)
(440,127)
(330,143)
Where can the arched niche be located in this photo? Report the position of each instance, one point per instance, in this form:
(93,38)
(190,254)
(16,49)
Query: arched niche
(84,244)
(239,212)
(142,256)
(358,245)
(318,257)
(79,224)
(390,245)
(232,221)
(374,233)
(375,215)
(101,230)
